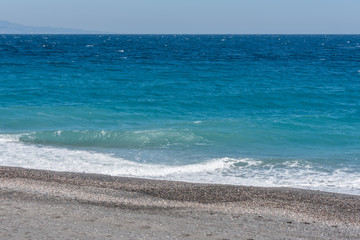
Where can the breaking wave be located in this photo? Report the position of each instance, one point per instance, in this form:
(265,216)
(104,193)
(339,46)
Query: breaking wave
(225,170)
(114,139)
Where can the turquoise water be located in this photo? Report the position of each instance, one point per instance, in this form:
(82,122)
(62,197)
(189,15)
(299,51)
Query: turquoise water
(262,110)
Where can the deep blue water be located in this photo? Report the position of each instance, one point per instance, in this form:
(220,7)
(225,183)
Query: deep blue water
(264,110)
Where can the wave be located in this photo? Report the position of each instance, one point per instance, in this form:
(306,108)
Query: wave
(15,152)
(225,170)
(115,139)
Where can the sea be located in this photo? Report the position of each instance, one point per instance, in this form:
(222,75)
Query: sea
(254,110)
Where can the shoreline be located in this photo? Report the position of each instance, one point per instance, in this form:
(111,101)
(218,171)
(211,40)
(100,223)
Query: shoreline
(309,212)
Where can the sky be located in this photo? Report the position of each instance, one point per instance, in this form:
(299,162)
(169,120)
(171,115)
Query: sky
(189,16)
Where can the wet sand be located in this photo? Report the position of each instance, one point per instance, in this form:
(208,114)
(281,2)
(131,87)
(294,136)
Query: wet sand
(36,204)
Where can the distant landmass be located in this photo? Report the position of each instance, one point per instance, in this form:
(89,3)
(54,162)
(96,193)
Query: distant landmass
(7,27)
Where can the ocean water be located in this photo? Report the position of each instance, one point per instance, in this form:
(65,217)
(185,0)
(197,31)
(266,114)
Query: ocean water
(259,110)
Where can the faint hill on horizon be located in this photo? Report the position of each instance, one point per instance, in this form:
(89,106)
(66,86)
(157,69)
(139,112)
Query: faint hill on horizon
(7,27)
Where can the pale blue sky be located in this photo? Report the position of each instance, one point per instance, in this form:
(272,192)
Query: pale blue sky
(189,16)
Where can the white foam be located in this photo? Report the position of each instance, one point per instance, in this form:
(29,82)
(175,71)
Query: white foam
(15,153)
(237,171)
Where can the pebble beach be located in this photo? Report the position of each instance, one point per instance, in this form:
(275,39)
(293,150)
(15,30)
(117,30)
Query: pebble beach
(38,204)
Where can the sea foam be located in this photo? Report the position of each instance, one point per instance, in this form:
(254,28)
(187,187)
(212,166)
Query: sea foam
(236,171)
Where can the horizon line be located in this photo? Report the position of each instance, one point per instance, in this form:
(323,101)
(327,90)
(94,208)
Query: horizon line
(180,33)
